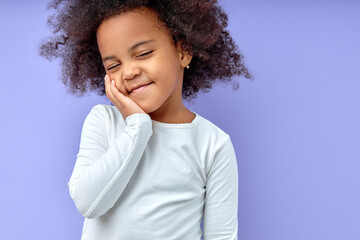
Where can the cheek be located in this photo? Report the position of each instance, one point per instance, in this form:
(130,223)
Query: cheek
(120,86)
(169,61)
(166,73)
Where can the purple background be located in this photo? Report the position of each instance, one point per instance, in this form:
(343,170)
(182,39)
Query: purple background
(295,128)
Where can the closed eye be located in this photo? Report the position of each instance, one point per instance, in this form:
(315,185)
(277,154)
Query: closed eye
(113,67)
(141,55)
(146,53)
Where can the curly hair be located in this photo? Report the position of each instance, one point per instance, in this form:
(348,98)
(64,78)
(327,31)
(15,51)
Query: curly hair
(198,25)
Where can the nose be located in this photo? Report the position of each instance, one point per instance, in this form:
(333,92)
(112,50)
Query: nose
(130,71)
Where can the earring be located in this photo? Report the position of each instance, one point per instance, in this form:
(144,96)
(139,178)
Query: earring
(187,67)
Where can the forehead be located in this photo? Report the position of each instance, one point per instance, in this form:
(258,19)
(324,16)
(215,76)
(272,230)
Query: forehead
(133,25)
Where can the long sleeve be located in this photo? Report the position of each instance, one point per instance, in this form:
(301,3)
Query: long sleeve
(103,169)
(221,199)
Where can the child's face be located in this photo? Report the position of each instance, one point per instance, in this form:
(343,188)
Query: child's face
(136,51)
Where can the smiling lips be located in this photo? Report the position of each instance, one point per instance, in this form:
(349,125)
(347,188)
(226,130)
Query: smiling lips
(139,88)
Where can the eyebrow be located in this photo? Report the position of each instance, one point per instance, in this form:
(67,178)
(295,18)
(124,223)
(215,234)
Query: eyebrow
(140,43)
(136,45)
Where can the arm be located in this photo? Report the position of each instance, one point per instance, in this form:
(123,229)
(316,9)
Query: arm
(221,200)
(102,169)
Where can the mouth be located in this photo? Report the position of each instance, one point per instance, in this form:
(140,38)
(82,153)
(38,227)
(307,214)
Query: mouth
(140,88)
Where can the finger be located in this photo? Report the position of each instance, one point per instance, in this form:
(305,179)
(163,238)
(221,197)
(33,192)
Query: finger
(108,90)
(119,99)
(118,85)
(117,95)
(121,87)
(125,104)
(107,86)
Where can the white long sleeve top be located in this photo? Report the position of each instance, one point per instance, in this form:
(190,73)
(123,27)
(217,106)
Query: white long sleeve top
(140,179)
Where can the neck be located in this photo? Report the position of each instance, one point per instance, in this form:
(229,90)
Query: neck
(176,114)
(173,109)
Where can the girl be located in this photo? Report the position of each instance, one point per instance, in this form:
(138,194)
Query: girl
(148,167)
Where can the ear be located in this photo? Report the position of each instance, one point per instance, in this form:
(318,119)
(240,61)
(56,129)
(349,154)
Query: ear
(184,56)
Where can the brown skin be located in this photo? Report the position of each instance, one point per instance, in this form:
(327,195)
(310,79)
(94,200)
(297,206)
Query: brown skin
(159,62)
(198,25)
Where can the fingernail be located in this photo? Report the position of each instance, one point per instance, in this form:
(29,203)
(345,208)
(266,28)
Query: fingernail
(112,82)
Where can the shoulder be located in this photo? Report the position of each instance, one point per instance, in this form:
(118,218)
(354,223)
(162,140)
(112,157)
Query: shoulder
(103,109)
(208,130)
(211,137)
(215,143)
(106,111)
(104,114)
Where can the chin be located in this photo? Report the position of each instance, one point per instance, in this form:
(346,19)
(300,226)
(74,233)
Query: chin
(148,109)
(150,105)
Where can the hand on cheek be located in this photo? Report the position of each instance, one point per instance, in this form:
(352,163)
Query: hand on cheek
(124,104)
(120,87)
